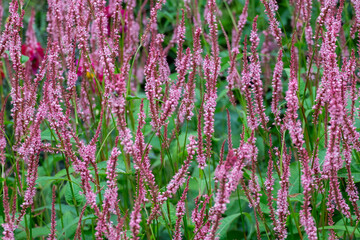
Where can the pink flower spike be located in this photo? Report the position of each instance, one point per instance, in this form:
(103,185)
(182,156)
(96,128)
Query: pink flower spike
(52,235)
(180,212)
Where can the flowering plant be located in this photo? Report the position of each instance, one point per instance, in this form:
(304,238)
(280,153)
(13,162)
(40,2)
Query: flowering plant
(180,120)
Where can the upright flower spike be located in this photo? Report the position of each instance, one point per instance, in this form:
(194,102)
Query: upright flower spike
(227,175)
(197,217)
(153,18)
(294,126)
(328,46)
(11,40)
(70,50)
(269,187)
(341,126)
(135,218)
(240,26)
(200,156)
(180,212)
(270,9)
(187,106)
(131,27)
(14,23)
(209,103)
(211,20)
(282,211)
(141,157)
(2,135)
(255,72)
(180,40)
(197,47)
(111,193)
(78,229)
(172,101)
(277,88)
(254,186)
(183,63)
(252,120)
(335,97)
(55,19)
(59,122)
(153,81)
(35,52)
(87,153)
(177,180)
(351,189)
(233,78)
(117,102)
(30,151)
(8,225)
(1,12)
(81,31)
(349,77)
(211,67)
(52,235)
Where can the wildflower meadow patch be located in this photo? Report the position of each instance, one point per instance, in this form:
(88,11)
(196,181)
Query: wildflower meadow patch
(193,119)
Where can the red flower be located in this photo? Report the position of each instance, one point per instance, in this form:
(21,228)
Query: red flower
(35,53)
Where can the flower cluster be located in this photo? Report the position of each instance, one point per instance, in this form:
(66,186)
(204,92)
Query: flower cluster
(126,103)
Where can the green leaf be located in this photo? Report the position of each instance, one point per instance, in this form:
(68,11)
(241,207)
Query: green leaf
(36,233)
(45,180)
(64,208)
(62,172)
(46,135)
(355,172)
(287,72)
(173,76)
(222,94)
(69,197)
(103,166)
(70,226)
(294,178)
(343,228)
(128,98)
(356,176)
(24,59)
(171,212)
(225,224)
(8,123)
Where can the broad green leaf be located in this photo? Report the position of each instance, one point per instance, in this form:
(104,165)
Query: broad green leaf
(45,180)
(23,58)
(71,224)
(69,197)
(36,233)
(64,208)
(168,213)
(343,228)
(46,135)
(294,178)
(103,166)
(355,172)
(264,208)
(225,224)
(128,98)
(173,76)
(356,176)
(62,172)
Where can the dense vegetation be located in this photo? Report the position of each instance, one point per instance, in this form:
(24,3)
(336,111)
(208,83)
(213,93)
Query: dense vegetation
(188,119)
